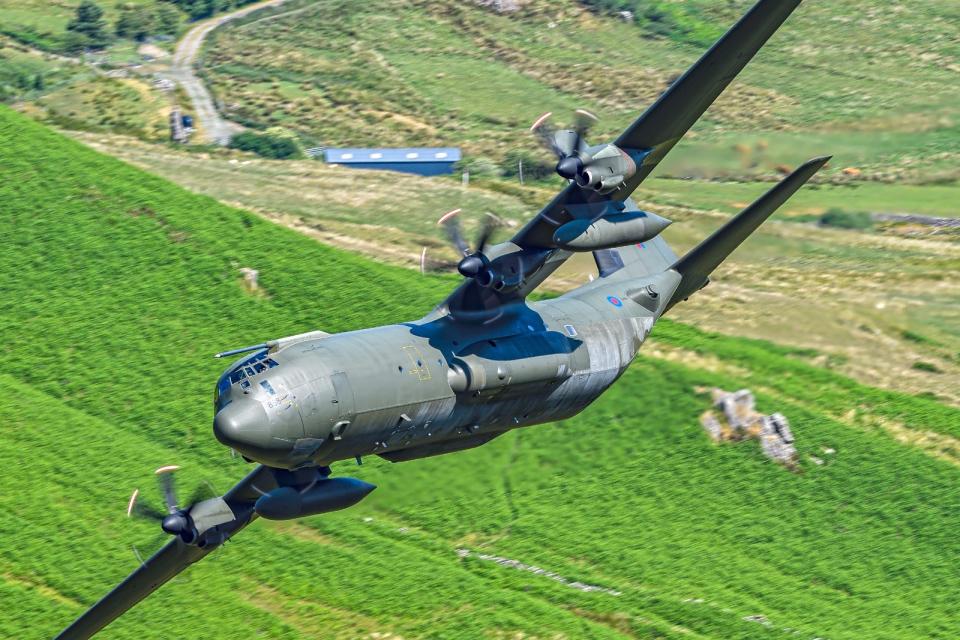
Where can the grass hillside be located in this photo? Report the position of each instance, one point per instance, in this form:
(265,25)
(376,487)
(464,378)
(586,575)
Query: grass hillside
(872,82)
(119,286)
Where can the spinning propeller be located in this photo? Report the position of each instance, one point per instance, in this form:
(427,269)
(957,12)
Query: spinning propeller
(474,263)
(567,145)
(175,521)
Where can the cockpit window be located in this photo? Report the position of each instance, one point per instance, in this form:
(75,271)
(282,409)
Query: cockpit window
(247,368)
(223,385)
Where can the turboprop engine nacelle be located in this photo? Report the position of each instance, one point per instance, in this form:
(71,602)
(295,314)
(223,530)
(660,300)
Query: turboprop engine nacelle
(610,231)
(329,494)
(605,170)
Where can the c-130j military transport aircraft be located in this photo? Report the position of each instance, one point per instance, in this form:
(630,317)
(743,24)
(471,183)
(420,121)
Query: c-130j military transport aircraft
(484,361)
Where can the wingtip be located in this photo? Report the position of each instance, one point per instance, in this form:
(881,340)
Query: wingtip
(819,160)
(811,166)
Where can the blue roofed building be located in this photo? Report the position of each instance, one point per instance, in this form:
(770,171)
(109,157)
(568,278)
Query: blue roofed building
(425,161)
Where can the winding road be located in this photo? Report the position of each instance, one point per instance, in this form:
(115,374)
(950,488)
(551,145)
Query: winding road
(216,129)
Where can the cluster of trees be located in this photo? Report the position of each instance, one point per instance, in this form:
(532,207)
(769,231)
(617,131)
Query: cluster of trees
(274,143)
(199,9)
(11,87)
(89,28)
(138,21)
(536,166)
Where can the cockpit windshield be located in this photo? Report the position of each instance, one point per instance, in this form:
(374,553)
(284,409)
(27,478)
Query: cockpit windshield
(247,368)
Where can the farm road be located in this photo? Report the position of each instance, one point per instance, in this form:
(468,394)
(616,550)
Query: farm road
(216,128)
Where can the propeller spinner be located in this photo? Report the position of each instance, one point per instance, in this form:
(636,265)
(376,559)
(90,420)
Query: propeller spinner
(473,264)
(568,146)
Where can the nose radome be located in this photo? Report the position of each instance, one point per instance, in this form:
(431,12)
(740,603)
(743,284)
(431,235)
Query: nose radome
(242,424)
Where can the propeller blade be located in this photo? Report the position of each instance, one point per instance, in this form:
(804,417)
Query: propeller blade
(423,261)
(547,135)
(585,120)
(203,491)
(147,512)
(451,223)
(490,224)
(133,501)
(141,510)
(167,488)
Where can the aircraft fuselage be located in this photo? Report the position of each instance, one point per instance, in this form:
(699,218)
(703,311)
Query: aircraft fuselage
(432,386)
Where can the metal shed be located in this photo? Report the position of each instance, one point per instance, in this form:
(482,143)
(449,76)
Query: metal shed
(425,161)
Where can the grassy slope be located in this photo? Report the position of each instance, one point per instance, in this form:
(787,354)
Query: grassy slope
(121,285)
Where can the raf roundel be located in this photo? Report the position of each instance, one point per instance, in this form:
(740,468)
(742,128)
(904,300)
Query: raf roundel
(615,301)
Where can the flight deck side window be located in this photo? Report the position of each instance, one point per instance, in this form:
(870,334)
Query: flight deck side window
(223,386)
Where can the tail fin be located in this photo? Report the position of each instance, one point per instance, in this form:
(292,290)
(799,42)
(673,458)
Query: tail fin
(696,266)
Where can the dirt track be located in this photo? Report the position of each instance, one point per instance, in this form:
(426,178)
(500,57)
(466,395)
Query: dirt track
(214,126)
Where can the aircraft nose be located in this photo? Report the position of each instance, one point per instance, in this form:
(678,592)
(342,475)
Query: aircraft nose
(242,425)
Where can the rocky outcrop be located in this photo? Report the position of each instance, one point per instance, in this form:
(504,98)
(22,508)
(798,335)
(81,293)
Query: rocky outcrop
(735,417)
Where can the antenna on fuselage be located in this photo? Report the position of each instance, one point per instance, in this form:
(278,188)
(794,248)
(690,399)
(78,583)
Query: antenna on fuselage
(233,352)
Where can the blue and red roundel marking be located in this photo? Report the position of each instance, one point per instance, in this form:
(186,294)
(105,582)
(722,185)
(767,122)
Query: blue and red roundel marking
(615,301)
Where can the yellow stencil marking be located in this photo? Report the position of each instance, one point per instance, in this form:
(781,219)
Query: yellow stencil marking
(418,364)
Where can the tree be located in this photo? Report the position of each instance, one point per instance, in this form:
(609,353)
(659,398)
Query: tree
(167,19)
(75,43)
(90,24)
(269,145)
(135,21)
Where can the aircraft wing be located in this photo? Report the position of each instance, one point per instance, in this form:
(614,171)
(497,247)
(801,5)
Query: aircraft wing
(651,136)
(169,561)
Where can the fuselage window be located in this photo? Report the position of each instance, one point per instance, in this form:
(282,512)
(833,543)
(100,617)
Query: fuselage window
(259,367)
(266,385)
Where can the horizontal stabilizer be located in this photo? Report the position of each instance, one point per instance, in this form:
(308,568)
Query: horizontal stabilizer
(696,267)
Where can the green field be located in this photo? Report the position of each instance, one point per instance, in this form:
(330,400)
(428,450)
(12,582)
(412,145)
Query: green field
(120,285)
